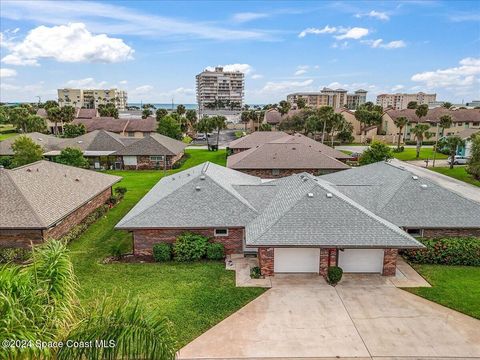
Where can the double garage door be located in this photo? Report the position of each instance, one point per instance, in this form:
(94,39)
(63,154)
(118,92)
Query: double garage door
(307,260)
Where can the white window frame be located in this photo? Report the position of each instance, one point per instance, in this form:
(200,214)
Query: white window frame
(221,229)
(156,157)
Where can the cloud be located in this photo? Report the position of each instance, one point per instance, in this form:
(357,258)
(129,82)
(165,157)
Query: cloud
(315,31)
(301,69)
(248,16)
(4,72)
(353,33)
(396,44)
(272,86)
(464,16)
(375,14)
(256,76)
(397,87)
(123,82)
(67,43)
(25,92)
(244,68)
(88,83)
(464,77)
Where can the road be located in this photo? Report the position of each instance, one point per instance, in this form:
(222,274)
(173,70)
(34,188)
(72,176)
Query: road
(226,136)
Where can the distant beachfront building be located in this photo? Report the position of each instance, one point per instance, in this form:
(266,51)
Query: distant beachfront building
(220,91)
(91,98)
(400,101)
(336,98)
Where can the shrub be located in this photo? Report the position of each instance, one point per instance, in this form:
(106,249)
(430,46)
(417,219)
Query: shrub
(8,254)
(112,200)
(116,250)
(6,161)
(162,252)
(239,134)
(181,161)
(190,247)
(334,275)
(187,139)
(120,191)
(255,272)
(377,151)
(446,251)
(399,150)
(76,231)
(215,251)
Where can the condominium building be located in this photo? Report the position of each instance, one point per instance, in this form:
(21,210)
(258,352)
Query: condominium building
(91,98)
(400,101)
(338,98)
(220,90)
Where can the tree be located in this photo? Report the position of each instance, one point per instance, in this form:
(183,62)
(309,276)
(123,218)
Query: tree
(160,113)
(265,127)
(18,117)
(35,123)
(68,114)
(25,151)
(412,105)
(191,116)
(421,111)
(73,157)
(108,110)
(400,123)
(54,114)
(146,113)
(301,103)
(337,122)
(445,122)
(377,151)
(39,301)
(473,167)
(49,104)
(170,127)
(4,115)
(205,125)
(368,115)
(345,135)
(420,131)
(284,107)
(447,105)
(74,130)
(219,122)
(181,109)
(452,144)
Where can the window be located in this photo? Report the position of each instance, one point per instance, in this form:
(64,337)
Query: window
(415,232)
(131,134)
(156,158)
(275,172)
(221,232)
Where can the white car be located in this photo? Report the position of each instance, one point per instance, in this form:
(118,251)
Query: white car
(458,160)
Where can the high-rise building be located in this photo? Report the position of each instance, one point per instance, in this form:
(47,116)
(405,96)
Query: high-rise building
(91,98)
(220,91)
(400,101)
(338,98)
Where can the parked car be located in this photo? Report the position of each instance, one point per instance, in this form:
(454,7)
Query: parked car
(458,160)
(200,137)
(355,156)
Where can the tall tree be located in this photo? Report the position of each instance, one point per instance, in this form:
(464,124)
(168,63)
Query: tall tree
(400,123)
(146,113)
(301,103)
(368,115)
(55,115)
(412,105)
(49,104)
(444,123)
(284,107)
(160,113)
(4,115)
(67,115)
(35,123)
(108,110)
(421,111)
(420,131)
(205,125)
(452,143)
(337,122)
(181,109)
(18,117)
(74,130)
(169,126)
(73,157)
(191,116)
(219,122)
(25,151)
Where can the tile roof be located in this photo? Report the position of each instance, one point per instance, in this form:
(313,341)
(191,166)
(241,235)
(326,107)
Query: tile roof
(86,113)
(405,199)
(433,115)
(154,144)
(47,142)
(40,194)
(273,116)
(467,133)
(315,145)
(283,156)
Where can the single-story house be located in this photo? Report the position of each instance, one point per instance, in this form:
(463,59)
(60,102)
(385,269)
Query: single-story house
(279,159)
(46,200)
(47,142)
(129,127)
(255,139)
(299,223)
(79,114)
(415,204)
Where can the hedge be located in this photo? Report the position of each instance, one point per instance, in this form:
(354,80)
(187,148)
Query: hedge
(446,251)
(162,252)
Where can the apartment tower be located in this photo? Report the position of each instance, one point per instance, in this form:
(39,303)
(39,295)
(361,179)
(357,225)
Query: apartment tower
(91,98)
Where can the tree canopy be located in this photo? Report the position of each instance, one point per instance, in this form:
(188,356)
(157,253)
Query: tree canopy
(25,151)
(169,126)
(377,151)
(74,130)
(473,167)
(73,157)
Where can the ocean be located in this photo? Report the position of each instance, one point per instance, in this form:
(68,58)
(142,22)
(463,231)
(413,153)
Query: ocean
(167,106)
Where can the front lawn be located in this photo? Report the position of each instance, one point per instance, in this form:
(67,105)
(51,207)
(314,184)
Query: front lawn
(458,172)
(457,287)
(409,154)
(194,296)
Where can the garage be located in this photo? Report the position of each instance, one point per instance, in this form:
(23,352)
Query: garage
(296,260)
(361,260)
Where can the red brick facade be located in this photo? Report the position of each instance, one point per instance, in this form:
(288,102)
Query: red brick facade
(328,257)
(20,238)
(145,163)
(437,233)
(269,174)
(390,262)
(144,239)
(266,260)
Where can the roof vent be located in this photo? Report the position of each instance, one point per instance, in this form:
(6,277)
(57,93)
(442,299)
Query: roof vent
(77,179)
(415,177)
(305,179)
(424,186)
(197,188)
(310,195)
(29,170)
(329,195)
(202,177)
(80,141)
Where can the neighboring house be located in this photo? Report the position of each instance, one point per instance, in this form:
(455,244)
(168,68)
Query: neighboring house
(137,128)
(47,142)
(279,159)
(79,114)
(274,118)
(298,223)
(46,200)
(417,205)
(254,140)
(466,135)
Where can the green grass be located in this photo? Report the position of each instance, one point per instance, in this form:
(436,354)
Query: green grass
(6,136)
(194,296)
(6,127)
(347,152)
(458,172)
(425,153)
(457,287)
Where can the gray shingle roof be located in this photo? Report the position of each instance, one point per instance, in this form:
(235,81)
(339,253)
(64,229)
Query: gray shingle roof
(47,142)
(154,144)
(255,139)
(42,193)
(97,140)
(395,195)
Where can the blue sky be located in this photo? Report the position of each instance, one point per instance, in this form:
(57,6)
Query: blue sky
(154,49)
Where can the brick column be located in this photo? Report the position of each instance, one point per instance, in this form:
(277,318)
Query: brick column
(266,260)
(324,259)
(333,257)
(389,262)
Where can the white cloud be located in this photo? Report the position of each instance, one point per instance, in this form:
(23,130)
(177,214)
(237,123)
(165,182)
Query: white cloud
(396,44)
(315,31)
(353,33)
(256,76)
(375,14)
(67,43)
(464,78)
(244,68)
(300,72)
(89,83)
(397,88)
(25,92)
(123,82)
(248,16)
(4,72)
(272,86)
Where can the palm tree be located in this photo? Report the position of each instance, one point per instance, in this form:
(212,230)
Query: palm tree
(337,122)
(421,111)
(452,143)
(205,125)
(420,131)
(218,122)
(445,122)
(284,107)
(39,301)
(400,123)
(54,114)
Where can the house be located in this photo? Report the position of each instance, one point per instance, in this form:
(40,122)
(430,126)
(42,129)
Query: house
(279,159)
(46,200)
(79,114)
(415,204)
(47,142)
(129,127)
(466,135)
(299,223)
(255,139)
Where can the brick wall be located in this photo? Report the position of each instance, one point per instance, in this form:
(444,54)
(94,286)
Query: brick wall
(437,233)
(389,262)
(267,173)
(266,260)
(144,163)
(77,216)
(328,257)
(20,238)
(144,239)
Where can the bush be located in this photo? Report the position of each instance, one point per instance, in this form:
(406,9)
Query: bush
(8,254)
(116,250)
(190,247)
(76,231)
(399,150)
(255,272)
(187,139)
(181,161)
(239,134)
(112,200)
(414,142)
(215,251)
(6,161)
(120,191)
(334,275)
(377,151)
(446,251)
(162,252)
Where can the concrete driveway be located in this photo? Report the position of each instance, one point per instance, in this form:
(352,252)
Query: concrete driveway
(303,317)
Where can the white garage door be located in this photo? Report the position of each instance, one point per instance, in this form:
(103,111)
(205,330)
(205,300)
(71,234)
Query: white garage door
(130,160)
(361,260)
(288,260)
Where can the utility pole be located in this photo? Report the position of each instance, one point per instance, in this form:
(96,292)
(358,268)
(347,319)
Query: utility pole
(39,99)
